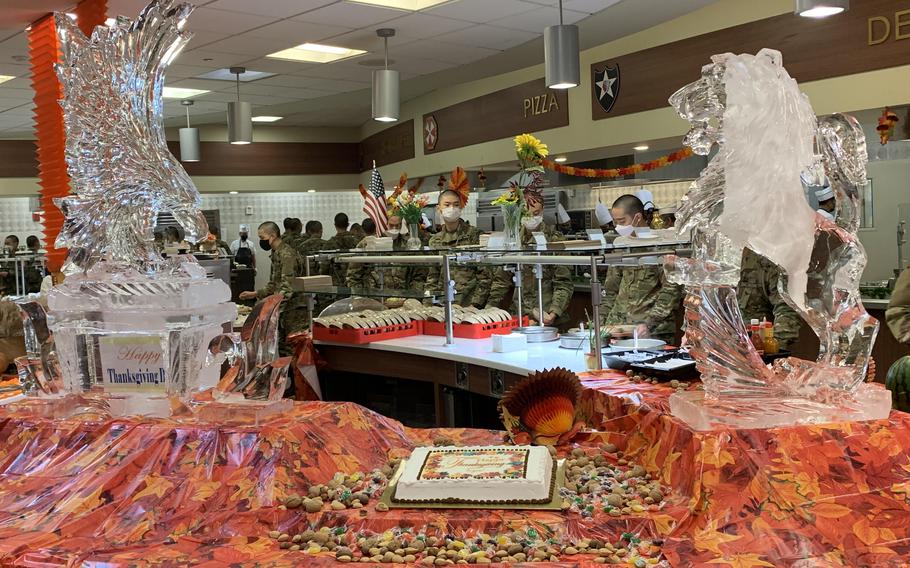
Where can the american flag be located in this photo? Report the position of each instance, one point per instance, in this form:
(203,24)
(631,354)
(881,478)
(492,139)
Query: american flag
(374,203)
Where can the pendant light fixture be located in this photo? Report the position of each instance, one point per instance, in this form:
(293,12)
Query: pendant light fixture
(560,55)
(240,115)
(821,8)
(189,138)
(385,85)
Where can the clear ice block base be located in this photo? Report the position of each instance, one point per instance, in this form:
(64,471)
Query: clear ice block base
(870,402)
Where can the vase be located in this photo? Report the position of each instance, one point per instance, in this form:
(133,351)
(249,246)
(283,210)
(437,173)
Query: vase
(414,237)
(511,219)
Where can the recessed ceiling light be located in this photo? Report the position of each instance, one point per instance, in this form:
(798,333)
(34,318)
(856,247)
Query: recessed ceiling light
(181,93)
(560,159)
(267,118)
(311,191)
(316,53)
(226,75)
(233,192)
(412,5)
(821,8)
(640,147)
(5,78)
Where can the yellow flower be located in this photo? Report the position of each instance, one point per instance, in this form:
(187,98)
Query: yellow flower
(527,145)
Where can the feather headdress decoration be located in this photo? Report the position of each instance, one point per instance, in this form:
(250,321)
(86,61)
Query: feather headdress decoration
(459,184)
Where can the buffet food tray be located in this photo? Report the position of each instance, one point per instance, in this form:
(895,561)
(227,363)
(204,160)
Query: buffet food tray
(555,503)
(473,330)
(360,336)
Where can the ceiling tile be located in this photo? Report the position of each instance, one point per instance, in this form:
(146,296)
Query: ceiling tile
(202,38)
(286,81)
(587,6)
(352,15)
(276,65)
(537,19)
(296,32)
(489,37)
(221,21)
(479,11)
(244,44)
(443,51)
(345,72)
(422,26)
(337,86)
(205,84)
(177,71)
(273,8)
(128,8)
(211,60)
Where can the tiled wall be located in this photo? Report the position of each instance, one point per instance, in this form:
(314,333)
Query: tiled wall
(665,194)
(16,219)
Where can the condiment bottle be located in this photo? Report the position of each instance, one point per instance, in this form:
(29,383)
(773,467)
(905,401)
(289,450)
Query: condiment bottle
(756,338)
(772,345)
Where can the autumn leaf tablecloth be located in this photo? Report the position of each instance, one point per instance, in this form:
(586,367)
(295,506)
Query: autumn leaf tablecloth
(131,492)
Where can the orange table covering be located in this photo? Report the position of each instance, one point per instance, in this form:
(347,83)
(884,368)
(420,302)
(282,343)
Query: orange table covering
(163,493)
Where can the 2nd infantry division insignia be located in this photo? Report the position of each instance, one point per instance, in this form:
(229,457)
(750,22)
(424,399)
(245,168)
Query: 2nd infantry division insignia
(606,86)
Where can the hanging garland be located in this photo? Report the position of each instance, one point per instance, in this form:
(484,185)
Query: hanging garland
(660,162)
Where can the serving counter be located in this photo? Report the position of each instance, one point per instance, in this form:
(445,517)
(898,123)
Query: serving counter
(468,365)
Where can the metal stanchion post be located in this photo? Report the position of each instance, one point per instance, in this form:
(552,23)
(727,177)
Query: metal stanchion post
(595,311)
(538,272)
(517,281)
(449,298)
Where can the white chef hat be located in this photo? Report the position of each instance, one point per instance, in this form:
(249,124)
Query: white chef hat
(646,198)
(561,214)
(602,212)
(244,228)
(824,194)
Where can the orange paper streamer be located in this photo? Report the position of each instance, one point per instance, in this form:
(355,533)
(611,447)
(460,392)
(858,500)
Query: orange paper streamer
(660,162)
(44,52)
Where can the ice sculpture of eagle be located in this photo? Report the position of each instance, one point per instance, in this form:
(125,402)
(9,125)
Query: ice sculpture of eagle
(122,174)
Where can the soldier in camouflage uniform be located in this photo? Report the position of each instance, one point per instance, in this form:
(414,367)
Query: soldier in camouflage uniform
(898,313)
(343,240)
(292,233)
(639,294)
(286,265)
(557,283)
(472,283)
(408,277)
(759,298)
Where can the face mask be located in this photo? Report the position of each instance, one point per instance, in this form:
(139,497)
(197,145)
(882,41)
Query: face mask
(451,214)
(624,230)
(826,214)
(243,238)
(392,233)
(532,223)
(264,245)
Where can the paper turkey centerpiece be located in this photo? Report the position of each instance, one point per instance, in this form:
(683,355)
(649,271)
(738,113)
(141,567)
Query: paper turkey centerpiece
(542,409)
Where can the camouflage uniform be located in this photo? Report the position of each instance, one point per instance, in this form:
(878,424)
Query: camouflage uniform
(557,282)
(898,313)
(286,265)
(642,294)
(343,240)
(759,297)
(472,283)
(294,240)
(408,277)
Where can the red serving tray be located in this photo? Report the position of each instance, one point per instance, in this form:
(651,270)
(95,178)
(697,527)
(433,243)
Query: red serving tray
(356,336)
(473,330)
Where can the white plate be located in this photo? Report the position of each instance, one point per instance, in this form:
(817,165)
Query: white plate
(642,343)
(647,237)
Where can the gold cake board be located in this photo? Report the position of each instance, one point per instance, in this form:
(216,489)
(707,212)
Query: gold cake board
(555,503)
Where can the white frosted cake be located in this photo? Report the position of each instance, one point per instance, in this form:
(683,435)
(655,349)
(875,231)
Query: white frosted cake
(477,474)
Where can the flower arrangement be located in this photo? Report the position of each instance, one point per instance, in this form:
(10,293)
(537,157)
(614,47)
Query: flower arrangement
(408,205)
(530,151)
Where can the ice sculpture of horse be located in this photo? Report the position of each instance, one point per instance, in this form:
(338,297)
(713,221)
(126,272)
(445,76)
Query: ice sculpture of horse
(751,195)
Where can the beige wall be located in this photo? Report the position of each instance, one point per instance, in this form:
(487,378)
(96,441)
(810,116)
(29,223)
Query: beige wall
(891,198)
(866,90)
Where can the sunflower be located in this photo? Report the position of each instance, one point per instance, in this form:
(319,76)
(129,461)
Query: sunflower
(529,148)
